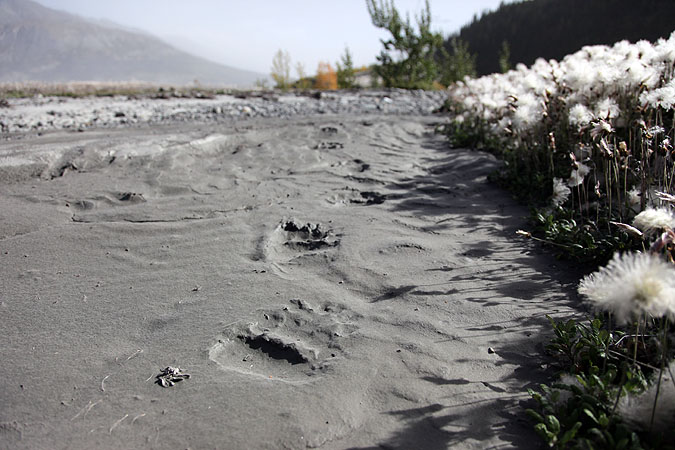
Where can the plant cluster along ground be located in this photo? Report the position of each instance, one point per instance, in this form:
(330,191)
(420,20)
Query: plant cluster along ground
(588,142)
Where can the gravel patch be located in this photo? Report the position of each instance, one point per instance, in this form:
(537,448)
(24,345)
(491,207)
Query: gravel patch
(59,113)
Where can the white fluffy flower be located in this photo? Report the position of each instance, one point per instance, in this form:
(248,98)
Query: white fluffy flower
(561,192)
(580,116)
(577,176)
(652,221)
(529,112)
(579,74)
(634,198)
(660,98)
(636,72)
(607,108)
(594,82)
(632,284)
(665,50)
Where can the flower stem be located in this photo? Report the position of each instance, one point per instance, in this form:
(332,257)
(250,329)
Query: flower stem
(664,344)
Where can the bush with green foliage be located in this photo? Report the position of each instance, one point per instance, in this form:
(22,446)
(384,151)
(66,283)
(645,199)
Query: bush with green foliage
(613,392)
(457,64)
(601,369)
(408,59)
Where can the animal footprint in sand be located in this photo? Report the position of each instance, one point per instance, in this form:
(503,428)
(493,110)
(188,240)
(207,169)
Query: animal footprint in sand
(290,242)
(306,237)
(290,344)
(350,196)
(288,238)
(324,145)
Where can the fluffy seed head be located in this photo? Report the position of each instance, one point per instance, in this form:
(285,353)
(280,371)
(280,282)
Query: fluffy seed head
(561,192)
(632,285)
(578,174)
(652,221)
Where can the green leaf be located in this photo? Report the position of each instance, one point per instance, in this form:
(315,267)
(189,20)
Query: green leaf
(589,399)
(553,424)
(571,326)
(535,415)
(597,381)
(537,396)
(570,434)
(541,430)
(590,414)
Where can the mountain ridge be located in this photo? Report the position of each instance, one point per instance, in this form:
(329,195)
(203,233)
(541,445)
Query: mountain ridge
(41,44)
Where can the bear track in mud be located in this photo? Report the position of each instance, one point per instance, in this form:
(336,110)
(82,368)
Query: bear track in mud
(281,345)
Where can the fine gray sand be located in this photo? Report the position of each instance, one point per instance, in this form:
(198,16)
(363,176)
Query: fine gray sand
(328,281)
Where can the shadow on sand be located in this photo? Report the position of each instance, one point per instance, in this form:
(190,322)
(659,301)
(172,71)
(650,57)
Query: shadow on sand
(454,194)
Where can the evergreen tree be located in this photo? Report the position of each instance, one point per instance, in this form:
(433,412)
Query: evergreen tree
(458,63)
(551,29)
(505,57)
(345,71)
(408,58)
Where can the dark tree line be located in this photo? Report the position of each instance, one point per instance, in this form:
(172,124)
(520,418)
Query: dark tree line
(551,29)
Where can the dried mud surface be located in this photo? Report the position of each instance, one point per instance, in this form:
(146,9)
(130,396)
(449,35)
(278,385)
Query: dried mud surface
(327,281)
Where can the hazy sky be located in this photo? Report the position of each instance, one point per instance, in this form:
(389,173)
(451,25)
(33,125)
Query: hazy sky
(247,33)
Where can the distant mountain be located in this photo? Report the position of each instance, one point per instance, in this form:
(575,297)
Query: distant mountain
(42,44)
(551,29)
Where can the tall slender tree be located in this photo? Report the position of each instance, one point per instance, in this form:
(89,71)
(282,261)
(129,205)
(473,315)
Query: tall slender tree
(281,69)
(505,57)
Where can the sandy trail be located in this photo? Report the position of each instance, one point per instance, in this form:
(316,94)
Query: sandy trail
(329,281)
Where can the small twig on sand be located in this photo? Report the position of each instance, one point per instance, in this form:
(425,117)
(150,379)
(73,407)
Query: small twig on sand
(114,425)
(232,323)
(138,352)
(103,383)
(86,409)
(133,355)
